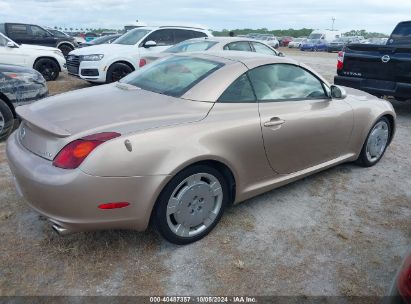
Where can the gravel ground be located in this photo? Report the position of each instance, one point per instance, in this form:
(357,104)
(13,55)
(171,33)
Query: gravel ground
(340,232)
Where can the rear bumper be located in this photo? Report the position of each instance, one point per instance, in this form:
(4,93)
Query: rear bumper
(70,198)
(376,87)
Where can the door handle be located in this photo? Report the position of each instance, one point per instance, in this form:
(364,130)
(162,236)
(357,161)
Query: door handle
(274,122)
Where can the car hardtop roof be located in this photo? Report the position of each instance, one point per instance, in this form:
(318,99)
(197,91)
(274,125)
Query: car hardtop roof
(169,26)
(247,58)
(222,39)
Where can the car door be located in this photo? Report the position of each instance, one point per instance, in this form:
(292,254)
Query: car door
(164,38)
(302,127)
(40,36)
(11,55)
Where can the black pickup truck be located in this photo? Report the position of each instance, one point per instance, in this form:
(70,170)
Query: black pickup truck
(382,70)
(34,34)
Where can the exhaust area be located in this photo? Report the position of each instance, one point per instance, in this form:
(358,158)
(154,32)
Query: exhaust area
(60,230)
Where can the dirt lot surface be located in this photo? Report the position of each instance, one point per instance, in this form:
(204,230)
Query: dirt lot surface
(340,232)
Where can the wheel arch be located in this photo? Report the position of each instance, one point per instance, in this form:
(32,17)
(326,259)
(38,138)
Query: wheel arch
(47,57)
(65,42)
(123,62)
(222,167)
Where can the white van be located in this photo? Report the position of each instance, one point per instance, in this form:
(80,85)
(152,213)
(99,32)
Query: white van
(326,35)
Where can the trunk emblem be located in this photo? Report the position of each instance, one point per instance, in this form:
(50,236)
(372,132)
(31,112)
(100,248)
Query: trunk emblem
(385,58)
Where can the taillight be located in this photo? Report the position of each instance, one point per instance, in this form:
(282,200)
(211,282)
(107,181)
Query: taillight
(340,61)
(73,154)
(142,63)
(404,281)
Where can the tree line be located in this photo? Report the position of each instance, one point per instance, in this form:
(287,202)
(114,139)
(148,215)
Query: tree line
(304,32)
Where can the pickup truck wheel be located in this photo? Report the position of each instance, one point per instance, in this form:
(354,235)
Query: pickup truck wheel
(48,68)
(6,120)
(66,49)
(376,143)
(117,71)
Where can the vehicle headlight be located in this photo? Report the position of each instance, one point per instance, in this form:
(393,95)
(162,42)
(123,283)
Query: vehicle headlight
(94,57)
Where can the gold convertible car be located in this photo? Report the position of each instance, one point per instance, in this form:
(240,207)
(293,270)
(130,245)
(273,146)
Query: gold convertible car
(179,140)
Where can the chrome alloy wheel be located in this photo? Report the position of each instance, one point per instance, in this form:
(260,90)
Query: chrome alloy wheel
(377,141)
(194,204)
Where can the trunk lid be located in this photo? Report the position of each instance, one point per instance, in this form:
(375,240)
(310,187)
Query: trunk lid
(48,125)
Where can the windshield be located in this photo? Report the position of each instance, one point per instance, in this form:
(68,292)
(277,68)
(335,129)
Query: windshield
(315,36)
(58,34)
(191,46)
(173,76)
(131,37)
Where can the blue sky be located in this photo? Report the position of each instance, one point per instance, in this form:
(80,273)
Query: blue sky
(372,15)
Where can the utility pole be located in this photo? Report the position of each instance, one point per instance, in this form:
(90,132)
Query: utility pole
(333,19)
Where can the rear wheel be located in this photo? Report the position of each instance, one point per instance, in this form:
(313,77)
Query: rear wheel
(376,143)
(191,205)
(118,71)
(6,120)
(66,49)
(48,68)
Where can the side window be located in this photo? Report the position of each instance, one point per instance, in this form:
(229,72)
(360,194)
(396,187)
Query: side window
(38,32)
(18,30)
(240,91)
(238,46)
(182,35)
(3,41)
(263,49)
(279,82)
(162,37)
(195,34)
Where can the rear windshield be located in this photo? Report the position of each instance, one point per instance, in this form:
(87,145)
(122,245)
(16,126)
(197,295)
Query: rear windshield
(173,76)
(403,30)
(132,37)
(193,46)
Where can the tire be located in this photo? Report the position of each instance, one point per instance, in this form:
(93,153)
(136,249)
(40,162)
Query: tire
(371,152)
(47,67)
(6,120)
(66,49)
(117,71)
(198,196)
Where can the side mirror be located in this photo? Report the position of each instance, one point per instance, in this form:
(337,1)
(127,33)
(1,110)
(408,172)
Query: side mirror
(11,45)
(338,92)
(281,54)
(150,44)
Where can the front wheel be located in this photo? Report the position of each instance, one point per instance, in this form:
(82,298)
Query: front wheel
(376,143)
(118,71)
(191,204)
(48,68)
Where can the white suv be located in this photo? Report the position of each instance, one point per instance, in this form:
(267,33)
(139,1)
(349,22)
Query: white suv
(48,61)
(107,63)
